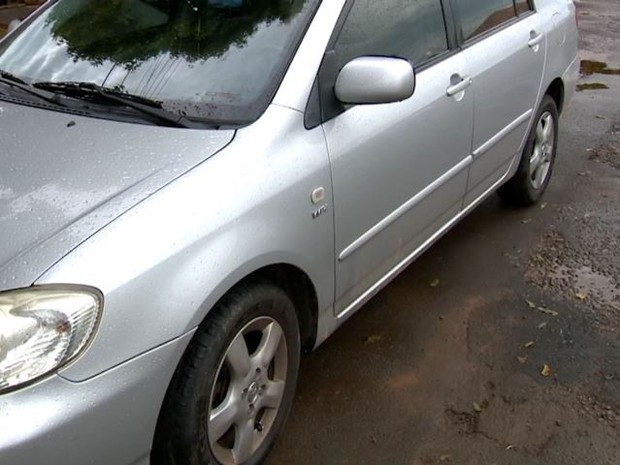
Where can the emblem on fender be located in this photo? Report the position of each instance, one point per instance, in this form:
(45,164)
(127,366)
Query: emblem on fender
(319,211)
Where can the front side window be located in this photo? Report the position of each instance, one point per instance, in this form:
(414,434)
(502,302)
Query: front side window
(478,16)
(217,60)
(410,29)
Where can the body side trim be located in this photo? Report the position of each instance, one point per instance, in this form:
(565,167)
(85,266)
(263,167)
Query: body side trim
(501,134)
(377,286)
(404,208)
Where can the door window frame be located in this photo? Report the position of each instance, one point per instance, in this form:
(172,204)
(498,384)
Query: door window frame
(464,43)
(322,104)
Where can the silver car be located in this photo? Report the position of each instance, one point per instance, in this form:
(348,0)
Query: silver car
(194,192)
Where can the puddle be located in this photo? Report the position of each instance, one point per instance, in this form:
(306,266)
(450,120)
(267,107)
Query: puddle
(557,266)
(589,67)
(591,86)
(587,282)
(602,287)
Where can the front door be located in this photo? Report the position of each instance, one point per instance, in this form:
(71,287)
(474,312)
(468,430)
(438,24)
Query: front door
(399,170)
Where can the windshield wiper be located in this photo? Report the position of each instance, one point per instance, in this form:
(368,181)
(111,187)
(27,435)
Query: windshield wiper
(11,77)
(14,81)
(142,104)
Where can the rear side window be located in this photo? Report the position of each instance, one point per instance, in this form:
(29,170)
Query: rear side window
(522,6)
(410,29)
(478,16)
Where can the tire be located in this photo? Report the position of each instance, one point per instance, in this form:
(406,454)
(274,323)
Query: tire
(233,389)
(528,184)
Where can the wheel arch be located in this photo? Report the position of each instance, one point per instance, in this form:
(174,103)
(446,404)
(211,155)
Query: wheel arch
(299,288)
(295,282)
(291,280)
(556,92)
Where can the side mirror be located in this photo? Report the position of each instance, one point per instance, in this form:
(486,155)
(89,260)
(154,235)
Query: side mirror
(367,80)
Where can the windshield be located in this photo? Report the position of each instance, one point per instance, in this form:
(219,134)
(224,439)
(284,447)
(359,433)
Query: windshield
(219,60)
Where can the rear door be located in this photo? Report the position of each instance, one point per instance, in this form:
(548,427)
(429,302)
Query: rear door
(399,170)
(504,45)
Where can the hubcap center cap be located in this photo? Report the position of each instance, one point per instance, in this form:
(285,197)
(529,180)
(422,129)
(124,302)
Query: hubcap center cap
(253,392)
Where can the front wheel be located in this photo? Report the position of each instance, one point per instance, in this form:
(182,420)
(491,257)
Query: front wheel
(232,392)
(534,172)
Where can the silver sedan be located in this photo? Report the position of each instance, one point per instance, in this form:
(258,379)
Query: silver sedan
(194,192)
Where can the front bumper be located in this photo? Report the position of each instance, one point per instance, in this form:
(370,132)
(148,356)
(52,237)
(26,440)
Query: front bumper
(106,420)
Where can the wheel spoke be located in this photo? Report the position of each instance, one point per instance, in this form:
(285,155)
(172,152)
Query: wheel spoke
(221,419)
(536,159)
(244,441)
(272,335)
(238,358)
(548,129)
(540,132)
(273,394)
(538,177)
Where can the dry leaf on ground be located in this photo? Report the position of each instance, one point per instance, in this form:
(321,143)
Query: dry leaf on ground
(581,295)
(547,311)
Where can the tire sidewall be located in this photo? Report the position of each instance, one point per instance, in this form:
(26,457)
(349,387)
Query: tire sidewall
(199,367)
(249,308)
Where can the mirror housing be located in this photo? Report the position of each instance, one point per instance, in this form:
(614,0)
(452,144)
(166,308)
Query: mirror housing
(372,80)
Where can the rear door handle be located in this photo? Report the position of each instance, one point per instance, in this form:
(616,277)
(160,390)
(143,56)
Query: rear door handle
(535,39)
(465,82)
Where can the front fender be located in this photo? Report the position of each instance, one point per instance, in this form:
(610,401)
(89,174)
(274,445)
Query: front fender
(166,262)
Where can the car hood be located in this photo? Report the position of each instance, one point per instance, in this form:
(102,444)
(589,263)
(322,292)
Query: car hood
(63,177)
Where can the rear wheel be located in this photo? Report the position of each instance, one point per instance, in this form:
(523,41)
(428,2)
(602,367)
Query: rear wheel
(534,172)
(232,392)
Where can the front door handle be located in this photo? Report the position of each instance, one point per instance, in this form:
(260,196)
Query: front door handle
(460,86)
(535,39)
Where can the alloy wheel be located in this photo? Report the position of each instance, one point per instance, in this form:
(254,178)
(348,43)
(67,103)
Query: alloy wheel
(542,154)
(248,391)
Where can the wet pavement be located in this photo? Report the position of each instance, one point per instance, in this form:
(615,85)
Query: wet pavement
(501,345)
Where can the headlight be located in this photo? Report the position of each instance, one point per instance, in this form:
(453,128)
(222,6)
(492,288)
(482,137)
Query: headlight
(42,328)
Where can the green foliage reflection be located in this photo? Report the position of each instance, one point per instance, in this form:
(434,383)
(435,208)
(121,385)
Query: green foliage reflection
(128,32)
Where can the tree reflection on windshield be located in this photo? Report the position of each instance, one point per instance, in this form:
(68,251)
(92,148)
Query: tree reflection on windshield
(216,59)
(128,32)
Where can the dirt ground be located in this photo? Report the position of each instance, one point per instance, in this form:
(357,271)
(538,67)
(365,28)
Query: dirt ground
(445,366)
